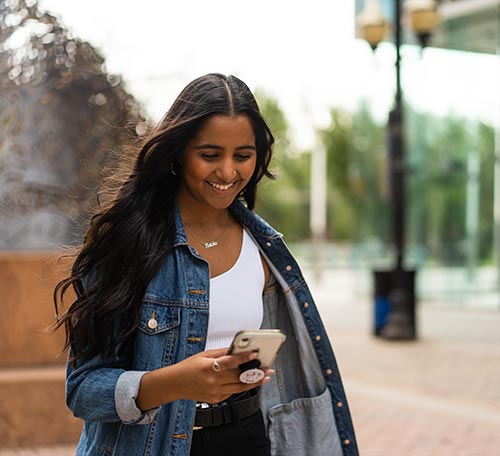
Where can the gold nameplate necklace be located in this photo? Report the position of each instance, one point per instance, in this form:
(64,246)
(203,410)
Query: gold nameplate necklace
(214,243)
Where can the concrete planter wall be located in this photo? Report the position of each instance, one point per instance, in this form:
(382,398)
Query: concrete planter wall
(32,369)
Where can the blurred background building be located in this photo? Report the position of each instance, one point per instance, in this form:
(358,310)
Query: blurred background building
(452,167)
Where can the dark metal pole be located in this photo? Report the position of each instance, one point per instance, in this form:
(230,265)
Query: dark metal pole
(398,284)
(396,152)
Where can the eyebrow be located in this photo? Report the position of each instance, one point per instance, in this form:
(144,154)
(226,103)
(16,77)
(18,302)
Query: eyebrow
(214,146)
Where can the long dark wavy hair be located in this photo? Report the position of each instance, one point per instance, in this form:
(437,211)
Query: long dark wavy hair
(129,237)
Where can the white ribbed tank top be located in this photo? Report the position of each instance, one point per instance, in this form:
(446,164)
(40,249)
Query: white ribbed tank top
(236,297)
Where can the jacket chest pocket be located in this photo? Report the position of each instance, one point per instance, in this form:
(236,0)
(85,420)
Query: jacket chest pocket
(156,336)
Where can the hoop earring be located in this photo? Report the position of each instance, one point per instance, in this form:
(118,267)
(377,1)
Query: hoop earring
(172,170)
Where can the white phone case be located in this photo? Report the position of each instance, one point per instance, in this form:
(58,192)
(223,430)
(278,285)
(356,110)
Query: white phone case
(266,341)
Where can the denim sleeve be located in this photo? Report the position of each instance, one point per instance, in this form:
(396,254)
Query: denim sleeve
(99,391)
(127,388)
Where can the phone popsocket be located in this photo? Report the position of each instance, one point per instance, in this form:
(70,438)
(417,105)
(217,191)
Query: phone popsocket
(251,372)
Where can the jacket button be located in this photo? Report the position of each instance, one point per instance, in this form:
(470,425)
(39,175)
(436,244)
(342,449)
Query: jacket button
(347,442)
(329,372)
(288,268)
(268,244)
(339,404)
(318,338)
(306,305)
(152,324)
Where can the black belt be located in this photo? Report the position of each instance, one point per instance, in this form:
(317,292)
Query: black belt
(225,412)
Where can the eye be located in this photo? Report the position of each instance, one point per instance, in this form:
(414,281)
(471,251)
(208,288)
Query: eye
(209,157)
(242,157)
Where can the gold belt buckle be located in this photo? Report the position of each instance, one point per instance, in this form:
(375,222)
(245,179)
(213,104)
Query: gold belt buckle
(197,428)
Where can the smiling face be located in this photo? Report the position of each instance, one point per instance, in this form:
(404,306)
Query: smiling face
(218,163)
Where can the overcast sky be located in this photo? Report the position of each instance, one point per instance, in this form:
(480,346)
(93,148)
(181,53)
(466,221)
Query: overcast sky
(303,53)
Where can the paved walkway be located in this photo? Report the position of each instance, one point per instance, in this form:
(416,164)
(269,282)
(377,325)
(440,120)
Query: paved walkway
(438,396)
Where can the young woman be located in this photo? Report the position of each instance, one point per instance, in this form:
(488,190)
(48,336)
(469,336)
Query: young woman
(168,272)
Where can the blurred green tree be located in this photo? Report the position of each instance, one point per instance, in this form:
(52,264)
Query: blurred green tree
(356,172)
(284,202)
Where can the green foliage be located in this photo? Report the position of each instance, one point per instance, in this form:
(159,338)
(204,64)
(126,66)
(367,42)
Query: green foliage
(284,202)
(357,205)
(437,153)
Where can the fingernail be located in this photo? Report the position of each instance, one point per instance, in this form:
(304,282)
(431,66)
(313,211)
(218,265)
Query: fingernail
(270,372)
(253,355)
(266,380)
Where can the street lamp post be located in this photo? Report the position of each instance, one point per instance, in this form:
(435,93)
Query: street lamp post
(397,152)
(395,289)
(401,319)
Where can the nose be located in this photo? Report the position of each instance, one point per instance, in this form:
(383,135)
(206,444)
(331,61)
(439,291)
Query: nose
(227,171)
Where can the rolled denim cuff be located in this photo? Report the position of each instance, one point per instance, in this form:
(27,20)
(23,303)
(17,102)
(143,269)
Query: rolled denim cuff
(126,390)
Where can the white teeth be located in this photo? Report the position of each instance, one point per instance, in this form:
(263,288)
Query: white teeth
(221,187)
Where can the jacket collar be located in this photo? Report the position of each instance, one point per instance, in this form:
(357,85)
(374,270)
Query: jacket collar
(252,221)
(180,235)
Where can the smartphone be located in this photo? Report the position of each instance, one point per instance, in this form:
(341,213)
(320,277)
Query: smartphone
(266,341)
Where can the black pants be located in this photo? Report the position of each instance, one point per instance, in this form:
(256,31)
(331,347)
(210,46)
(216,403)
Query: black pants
(244,438)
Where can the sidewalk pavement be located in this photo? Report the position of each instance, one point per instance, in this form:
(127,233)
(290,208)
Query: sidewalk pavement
(437,396)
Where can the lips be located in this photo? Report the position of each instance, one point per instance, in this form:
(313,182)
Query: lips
(222,187)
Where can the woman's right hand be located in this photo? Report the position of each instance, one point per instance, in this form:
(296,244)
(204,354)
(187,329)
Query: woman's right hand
(195,378)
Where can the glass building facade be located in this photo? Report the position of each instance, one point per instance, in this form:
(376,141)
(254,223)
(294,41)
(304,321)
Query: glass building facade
(453,156)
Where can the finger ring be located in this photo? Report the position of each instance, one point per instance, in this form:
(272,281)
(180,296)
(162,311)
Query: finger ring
(216,366)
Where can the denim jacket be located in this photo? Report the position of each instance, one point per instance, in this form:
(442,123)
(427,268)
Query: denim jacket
(304,405)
